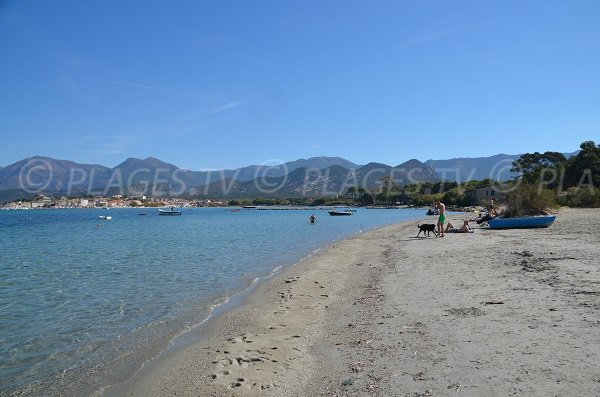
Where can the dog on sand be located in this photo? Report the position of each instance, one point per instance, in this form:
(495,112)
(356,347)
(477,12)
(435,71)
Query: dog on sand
(427,228)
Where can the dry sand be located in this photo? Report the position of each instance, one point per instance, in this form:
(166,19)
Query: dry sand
(493,313)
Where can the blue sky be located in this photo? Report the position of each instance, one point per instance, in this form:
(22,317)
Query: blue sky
(224,84)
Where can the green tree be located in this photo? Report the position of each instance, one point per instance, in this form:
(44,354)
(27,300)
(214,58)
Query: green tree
(365,199)
(388,184)
(584,168)
(456,197)
(540,167)
(318,201)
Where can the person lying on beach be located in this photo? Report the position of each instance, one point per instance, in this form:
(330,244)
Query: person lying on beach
(463,229)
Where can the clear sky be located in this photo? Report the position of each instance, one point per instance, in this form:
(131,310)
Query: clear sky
(224,84)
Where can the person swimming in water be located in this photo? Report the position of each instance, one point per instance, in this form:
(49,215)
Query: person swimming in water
(313,218)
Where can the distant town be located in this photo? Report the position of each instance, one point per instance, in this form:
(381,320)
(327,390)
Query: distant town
(118,201)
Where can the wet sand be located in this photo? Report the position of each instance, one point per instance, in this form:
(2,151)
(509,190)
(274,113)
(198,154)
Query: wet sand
(492,313)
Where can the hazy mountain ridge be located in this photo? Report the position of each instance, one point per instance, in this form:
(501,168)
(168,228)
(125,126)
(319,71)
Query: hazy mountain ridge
(313,182)
(464,169)
(312,176)
(151,176)
(33,173)
(251,172)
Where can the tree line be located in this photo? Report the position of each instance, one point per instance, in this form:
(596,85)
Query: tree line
(574,181)
(543,181)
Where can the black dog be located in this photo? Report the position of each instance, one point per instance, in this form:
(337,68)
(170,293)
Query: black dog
(428,227)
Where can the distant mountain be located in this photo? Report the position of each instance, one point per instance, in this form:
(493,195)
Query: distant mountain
(253,171)
(132,164)
(464,169)
(149,176)
(302,177)
(312,182)
(44,173)
(320,163)
(417,171)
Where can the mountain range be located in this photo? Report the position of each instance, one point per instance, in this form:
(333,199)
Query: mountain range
(151,176)
(303,177)
(464,169)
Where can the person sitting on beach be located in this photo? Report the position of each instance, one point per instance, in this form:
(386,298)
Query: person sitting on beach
(483,217)
(464,229)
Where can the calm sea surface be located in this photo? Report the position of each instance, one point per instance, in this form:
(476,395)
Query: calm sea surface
(83,301)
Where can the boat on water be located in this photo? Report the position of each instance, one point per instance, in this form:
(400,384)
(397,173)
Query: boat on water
(171,212)
(524,222)
(105,217)
(432,212)
(249,207)
(337,212)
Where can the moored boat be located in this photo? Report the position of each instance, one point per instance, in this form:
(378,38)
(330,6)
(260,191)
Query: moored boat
(522,222)
(341,213)
(169,212)
(105,217)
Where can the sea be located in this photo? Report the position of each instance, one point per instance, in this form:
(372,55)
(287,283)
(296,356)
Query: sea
(85,302)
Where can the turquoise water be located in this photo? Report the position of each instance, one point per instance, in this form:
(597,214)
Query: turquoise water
(85,301)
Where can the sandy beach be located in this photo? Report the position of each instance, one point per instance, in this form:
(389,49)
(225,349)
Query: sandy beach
(492,313)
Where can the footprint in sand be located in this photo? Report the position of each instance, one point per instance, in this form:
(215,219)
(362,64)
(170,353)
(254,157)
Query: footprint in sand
(238,383)
(240,339)
(224,362)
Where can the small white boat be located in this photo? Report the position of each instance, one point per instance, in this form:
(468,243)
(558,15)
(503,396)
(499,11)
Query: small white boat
(169,212)
(105,217)
(337,212)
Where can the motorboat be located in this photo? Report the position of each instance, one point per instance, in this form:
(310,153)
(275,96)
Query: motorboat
(171,212)
(337,212)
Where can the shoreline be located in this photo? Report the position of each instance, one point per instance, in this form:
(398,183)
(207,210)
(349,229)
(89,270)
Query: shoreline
(385,313)
(92,377)
(194,335)
(211,326)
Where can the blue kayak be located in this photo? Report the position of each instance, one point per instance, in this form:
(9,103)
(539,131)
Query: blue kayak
(521,222)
